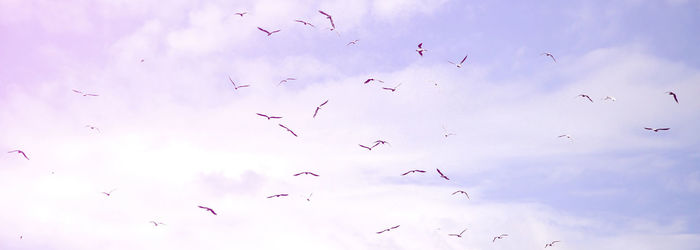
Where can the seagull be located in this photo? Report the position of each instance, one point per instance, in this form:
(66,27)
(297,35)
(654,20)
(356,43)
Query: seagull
(447,134)
(142,60)
(609,98)
(368,148)
(389,229)
(305,23)
(585,96)
(234,84)
(241,13)
(269,117)
(499,237)
(551,244)
(285,80)
(84,94)
(674,95)
(309,198)
(155,223)
(460,191)
(458,235)
(208,209)
(353,42)
(392,89)
(329,18)
(93,128)
(567,136)
(372,79)
(19,152)
(549,55)
(414,171)
(460,63)
(277,195)
(442,175)
(377,142)
(307,173)
(290,131)
(268,33)
(657,129)
(420,49)
(109,193)
(319,108)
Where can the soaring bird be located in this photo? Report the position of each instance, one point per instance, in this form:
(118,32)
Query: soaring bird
(392,89)
(277,195)
(319,108)
(268,32)
(499,237)
(109,193)
(458,235)
(305,23)
(208,209)
(657,129)
(447,134)
(306,173)
(585,96)
(286,80)
(155,223)
(674,95)
(290,131)
(93,127)
(84,94)
(363,146)
(372,79)
(235,87)
(460,191)
(19,152)
(414,171)
(609,98)
(354,42)
(269,117)
(420,49)
(377,142)
(442,175)
(550,244)
(241,13)
(549,55)
(460,63)
(567,136)
(309,198)
(389,229)
(329,18)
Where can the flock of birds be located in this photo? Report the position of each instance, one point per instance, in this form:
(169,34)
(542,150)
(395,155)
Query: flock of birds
(421,51)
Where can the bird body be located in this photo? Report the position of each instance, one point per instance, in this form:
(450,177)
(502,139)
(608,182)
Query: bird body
(674,95)
(319,108)
(305,23)
(208,209)
(442,175)
(388,229)
(458,235)
(550,244)
(372,79)
(609,98)
(268,32)
(235,87)
(286,80)
(549,55)
(84,94)
(499,237)
(330,18)
(585,96)
(353,42)
(414,171)
(241,13)
(277,195)
(657,129)
(460,63)
(155,223)
(420,49)
(306,173)
(290,131)
(269,117)
(460,191)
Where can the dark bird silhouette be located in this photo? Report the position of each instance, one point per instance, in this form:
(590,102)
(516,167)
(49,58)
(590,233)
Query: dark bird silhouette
(549,55)
(372,79)
(392,89)
(155,223)
(420,49)
(674,95)
(306,173)
(19,152)
(330,18)
(550,244)
(353,42)
(657,129)
(567,136)
(319,108)
(93,128)
(305,23)
(460,191)
(84,94)
(458,235)
(290,131)
(460,63)
(586,96)
(286,80)
(235,87)
(368,148)
(268,32)
(377,142)
(142,60)
(442,175)
(309,198)
(277,195)
(389,229)
(269,117)
(109,193)
(414,171)
(447,134)
(499,237)
(208,209)
(609,98)
(241,13)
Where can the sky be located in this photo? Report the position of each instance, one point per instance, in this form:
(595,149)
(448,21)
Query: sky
(174,134)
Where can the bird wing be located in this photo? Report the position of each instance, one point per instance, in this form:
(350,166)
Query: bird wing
(420,45)
(243,86)
(23,154)
(262,115)
(92,94)
(298,174)
(420,52)
(455,192)
(324,103)
(675,97)
(324,13)
(463,231)
(229,78)
(313,174)
(13,151)
(275,117)
(274,32)
(365,146)
(407,172)
(368,80)
(76,91)
(316,112)
(387,88)
(463,59)
(655,129)
(263,30)
(649,128)
(332,23)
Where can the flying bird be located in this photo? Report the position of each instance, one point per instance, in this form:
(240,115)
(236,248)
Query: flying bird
(305,23)
(155,223)
(363,146)
(84,94)
(460,63)
(235,87)
(389,229)
(585,96)
(567,136)
(241,13)
(549,55)
(442,175)
(19,152)
(458,235)
(377,142)
(499,237)
(208,209)
(290,131)
(269,117)
(286,80)
(329,18)
(277,195)
(414,171)
(372,79)
(420,49)
(609,98)
(353,42)
(674,95)
(460,191)
(93,127)
(550,244)
(657,129)
(142,60)
(309,198)
(392,89)
(268,33)
(319,108)
(306,173)
(109,193)
(447,134)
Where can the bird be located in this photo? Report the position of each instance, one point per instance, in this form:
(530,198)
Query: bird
(208,209)
(353,42)
(458,235)
(329,18)
(155,223)
(414,171)
(309,198)
(420,49)
(286,80)
(142,60)
(109,193)
(460,63)
(84,94)
(319,108)
(268,32)
(269,117)
(674,95)
(305,23)
(460,191)
(19,152)
(93,127)
(306,173)
(550,244)
(609,98)
(549,55)
(363,146)
(377,142)
(20,237)
(442,175)
(389,229)
(499,237)
(234,84)
(372,79)
(585,96)
(392,89)
(290,131)
(567,136)
(277,195)
(447,134)
(241,13)
(657,129)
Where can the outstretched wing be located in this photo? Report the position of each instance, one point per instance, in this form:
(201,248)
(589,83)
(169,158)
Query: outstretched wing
(464,59)
(263,30)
